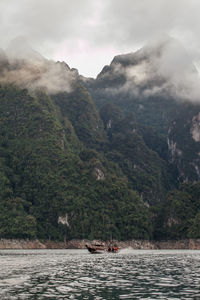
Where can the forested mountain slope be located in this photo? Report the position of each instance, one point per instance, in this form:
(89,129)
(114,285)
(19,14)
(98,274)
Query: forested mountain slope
(86,158)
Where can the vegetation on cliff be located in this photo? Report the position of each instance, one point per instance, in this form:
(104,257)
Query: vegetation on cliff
(98,159)
(50,169)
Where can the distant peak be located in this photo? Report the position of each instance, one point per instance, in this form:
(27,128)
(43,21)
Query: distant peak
(20,48)
(162,42)
(154,47)
(2,55)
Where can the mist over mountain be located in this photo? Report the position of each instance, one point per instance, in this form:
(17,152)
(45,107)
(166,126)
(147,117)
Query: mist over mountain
(23,66)
(161,68)
(92,158)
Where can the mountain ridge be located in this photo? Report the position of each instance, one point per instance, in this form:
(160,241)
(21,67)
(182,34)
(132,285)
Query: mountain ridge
(96,153)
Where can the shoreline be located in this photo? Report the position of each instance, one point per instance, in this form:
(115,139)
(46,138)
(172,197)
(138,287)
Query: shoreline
(190,244)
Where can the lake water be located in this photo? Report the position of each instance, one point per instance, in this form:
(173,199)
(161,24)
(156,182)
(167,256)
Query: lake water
(77,274)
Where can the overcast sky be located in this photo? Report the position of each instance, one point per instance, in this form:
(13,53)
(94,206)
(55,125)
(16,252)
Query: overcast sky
(88,33)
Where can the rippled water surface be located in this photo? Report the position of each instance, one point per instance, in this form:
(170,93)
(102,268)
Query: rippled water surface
(77,274)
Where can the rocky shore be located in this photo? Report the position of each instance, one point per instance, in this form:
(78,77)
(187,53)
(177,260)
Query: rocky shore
(192,244)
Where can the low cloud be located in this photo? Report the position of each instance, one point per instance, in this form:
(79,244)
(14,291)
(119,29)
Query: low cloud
(95,27)
(162,67)
(24,67)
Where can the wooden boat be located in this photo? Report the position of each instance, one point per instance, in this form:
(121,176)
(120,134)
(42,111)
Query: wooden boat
(101,248)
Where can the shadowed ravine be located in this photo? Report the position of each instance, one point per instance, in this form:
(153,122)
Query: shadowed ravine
(76,274)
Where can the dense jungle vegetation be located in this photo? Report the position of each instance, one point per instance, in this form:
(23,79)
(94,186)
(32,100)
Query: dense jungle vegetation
(59,158)
(102,160)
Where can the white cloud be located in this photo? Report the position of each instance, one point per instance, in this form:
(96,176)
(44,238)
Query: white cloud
(100,25)
(162,67)
(28,69)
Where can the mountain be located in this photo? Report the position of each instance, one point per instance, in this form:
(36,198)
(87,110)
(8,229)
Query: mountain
(27,69)
(104,157)
(160,85)
(184,142)
(56,181)
(20,49)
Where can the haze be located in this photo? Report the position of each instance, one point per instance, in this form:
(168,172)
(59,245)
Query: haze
(87,34)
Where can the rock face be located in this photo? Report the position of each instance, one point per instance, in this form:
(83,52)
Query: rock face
(99,174)
(63,220)
(192,244)
(184,142)
(21,244)
(154,84)
(195,128)
(69,171)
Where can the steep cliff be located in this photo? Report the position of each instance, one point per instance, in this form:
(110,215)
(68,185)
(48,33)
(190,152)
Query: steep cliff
(184,142)
(85,158)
